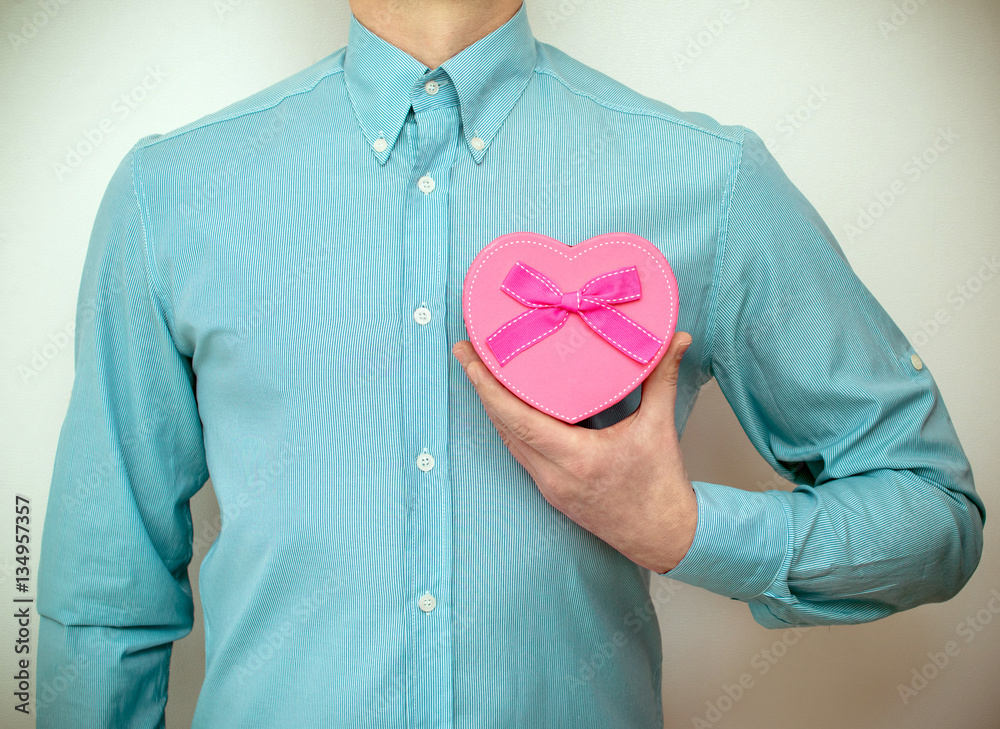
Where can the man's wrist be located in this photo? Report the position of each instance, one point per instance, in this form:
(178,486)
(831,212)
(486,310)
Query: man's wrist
(740,544)
(682,529)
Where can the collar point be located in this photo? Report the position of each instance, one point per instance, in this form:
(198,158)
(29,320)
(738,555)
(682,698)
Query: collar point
(380,147)
(477,147)
(381,156)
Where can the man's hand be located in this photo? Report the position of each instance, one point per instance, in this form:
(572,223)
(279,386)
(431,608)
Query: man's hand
(625,483)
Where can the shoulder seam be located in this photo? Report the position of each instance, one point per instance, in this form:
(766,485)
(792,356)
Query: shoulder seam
(632,111)
(152,280)
(150,141)
(720,253)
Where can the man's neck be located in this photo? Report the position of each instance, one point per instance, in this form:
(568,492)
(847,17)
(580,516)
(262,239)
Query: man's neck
(432,31)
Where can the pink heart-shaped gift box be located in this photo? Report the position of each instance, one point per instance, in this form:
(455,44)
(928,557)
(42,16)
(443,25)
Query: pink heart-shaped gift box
(547,354)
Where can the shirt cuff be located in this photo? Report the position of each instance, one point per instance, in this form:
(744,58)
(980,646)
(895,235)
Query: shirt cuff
(739,544)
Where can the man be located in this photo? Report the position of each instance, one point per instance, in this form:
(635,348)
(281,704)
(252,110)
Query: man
(272,297)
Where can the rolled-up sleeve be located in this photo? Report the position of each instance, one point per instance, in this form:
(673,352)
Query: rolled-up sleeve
(113,590)
(885,514)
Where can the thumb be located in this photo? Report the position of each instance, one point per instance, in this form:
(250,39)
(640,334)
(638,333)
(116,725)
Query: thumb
(659,389)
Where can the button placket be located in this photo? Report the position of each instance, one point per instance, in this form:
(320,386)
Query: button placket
(429,537)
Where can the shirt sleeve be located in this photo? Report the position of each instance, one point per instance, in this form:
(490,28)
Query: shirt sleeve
(113,590)
(884,515)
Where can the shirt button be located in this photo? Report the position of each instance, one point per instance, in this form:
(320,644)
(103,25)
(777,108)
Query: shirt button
(431,87)
(477,142)
(427,602)
(426,184)
(425,461)
(916,362)
(422,315)
(379,144)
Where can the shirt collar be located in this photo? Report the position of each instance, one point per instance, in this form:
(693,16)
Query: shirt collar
(488,75)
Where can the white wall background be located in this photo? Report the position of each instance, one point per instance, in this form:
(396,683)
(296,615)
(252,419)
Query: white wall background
(850,92)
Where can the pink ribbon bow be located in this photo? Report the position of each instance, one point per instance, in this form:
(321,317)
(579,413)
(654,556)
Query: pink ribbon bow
(550,308)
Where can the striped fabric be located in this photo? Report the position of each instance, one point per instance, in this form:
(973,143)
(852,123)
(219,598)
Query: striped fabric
(269,299)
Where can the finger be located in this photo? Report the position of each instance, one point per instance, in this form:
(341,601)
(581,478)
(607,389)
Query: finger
(521,421)
(523,453)
(659,389)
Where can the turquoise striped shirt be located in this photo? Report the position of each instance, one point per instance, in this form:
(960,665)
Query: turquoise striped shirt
(269,298)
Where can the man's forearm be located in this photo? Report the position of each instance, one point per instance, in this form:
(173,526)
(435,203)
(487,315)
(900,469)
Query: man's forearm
(851,550)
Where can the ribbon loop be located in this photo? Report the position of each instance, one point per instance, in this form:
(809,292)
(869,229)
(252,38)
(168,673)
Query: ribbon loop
(550,307)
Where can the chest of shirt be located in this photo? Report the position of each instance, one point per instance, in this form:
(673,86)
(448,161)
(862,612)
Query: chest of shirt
(296,265)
